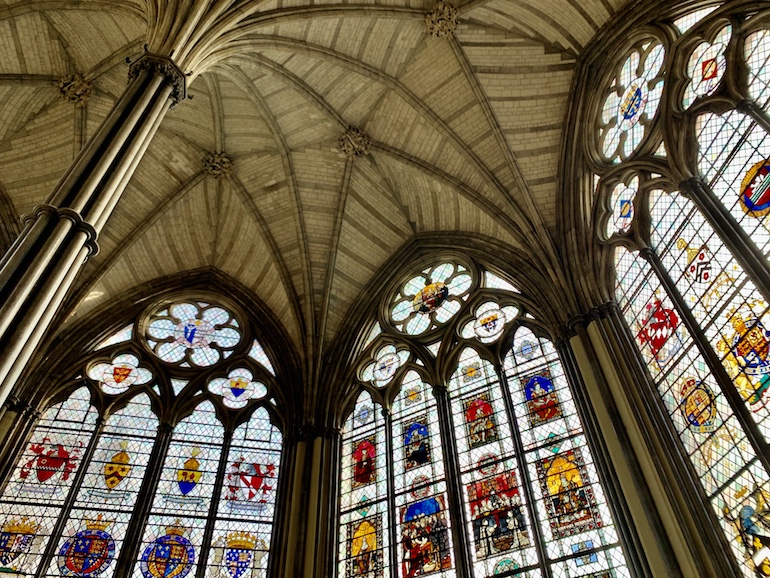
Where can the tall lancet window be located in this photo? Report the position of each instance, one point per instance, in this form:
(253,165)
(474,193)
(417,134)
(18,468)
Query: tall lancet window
(684,207)
(159,457)
(463,452)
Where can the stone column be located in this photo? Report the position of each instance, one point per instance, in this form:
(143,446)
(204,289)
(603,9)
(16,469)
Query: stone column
(665,502)
(59,236)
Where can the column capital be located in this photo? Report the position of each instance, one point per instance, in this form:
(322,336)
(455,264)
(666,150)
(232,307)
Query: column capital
(164,66)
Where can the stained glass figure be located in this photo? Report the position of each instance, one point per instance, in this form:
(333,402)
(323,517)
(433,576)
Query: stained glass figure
(542,399)
(425,537)
(569,500)
(416,443)
(480,420)
(496,507)
(364,460)
(363,547)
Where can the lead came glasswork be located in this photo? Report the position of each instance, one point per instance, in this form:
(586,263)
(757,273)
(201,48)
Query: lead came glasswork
(499,489)
(632,102)
(706,67)
(91,503)
(32,500)
(364,532)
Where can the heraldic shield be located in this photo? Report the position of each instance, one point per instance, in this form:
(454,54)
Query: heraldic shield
(239,553)
(169,556)
(16,540)
(189,476)
(88,552)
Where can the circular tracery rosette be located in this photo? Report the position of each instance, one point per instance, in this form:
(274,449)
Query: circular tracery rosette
(431,298)
(489,322)
(622,205)
(117,376)
(706,67)
(385,365)
(632,102)
(193,334)
(237,388)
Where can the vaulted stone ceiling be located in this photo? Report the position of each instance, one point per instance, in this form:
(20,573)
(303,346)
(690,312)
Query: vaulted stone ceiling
(465,136)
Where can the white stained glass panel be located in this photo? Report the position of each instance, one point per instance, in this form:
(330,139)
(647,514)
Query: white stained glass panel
(733,161)
(181,504)
(757,52)
(727,305)
(717,445)
(108,494)
(42,479)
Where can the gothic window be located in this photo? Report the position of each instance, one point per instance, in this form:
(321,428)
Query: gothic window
(161,460)
(684,212)
(486,468)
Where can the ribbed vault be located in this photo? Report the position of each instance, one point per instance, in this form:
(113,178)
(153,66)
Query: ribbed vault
(465,136)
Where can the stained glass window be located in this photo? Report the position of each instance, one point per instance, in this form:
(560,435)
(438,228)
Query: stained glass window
(492,462)
(86,499)
(32,501)
(632,102)
(699,319)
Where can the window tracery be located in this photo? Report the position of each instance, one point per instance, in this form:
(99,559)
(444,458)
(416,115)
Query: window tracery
(697,313)
(164,461)
(486,469)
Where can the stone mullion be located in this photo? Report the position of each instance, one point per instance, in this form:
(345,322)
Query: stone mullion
(37,273)
(755,437)
(666,445)
(216,496)
(738,242)
(64,512)
(132,542)
(329,504)
(392,552)
(527,484)
(462,547)
(624,522)
(755,111)
(282,518)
